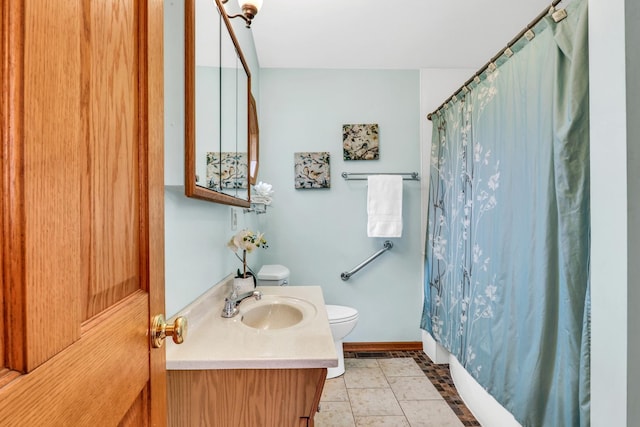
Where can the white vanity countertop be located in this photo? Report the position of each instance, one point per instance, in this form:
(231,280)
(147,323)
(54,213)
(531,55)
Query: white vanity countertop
(214,342)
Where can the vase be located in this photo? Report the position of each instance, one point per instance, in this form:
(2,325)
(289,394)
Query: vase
(243,285)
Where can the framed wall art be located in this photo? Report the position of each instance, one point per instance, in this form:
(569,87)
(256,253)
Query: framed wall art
(360,142)
(312,170)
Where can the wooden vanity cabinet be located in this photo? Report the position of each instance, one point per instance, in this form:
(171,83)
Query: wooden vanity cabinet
(244,397)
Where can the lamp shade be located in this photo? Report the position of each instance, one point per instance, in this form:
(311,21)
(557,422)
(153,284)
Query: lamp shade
(257,4)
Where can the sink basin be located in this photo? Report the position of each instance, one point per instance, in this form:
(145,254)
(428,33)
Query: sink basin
(276,313)
(272,316)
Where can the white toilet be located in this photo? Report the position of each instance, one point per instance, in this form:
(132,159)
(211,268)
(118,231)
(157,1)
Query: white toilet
(342,319)
(273,275)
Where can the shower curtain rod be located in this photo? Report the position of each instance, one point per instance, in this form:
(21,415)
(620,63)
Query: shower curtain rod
(513,41)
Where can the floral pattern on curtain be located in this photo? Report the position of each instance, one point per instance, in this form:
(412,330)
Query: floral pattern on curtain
(507,256)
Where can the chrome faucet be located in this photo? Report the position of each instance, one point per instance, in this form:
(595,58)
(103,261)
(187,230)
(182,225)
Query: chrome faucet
(232,302)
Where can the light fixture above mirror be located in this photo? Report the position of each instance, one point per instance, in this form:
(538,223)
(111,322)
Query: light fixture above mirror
(250,9)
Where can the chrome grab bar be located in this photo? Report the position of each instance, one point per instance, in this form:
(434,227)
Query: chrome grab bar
(347,274)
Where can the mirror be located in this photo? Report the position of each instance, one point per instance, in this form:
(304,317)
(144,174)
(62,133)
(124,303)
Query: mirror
(218,108)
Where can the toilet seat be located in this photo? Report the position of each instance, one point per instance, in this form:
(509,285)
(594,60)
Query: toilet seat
(340,314)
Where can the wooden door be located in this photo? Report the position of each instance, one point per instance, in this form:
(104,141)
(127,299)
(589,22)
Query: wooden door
(81,211)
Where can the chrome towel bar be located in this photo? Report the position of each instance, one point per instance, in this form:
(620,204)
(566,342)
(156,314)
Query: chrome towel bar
(411,176)
(347,274)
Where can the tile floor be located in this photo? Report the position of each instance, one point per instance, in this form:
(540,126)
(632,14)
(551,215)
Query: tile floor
(400,388)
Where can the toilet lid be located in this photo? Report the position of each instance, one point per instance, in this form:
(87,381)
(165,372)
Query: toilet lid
(339,313)
(273,272)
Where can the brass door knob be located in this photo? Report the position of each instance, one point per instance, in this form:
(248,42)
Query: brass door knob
(160,330)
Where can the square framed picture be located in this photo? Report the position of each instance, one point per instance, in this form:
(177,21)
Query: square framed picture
(361,142)
(312,170)
(226,170)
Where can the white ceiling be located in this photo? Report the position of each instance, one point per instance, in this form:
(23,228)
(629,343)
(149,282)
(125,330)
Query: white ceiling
(395,34)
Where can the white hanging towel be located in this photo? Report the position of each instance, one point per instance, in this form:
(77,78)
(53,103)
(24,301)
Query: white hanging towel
(384,206)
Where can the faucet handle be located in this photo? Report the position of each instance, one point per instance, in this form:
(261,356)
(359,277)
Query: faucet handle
(257,295)
(229,309)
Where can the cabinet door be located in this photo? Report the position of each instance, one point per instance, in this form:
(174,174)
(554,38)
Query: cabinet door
(244,397)
(319,377)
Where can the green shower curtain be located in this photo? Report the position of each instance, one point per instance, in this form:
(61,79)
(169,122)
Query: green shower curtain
(507,256)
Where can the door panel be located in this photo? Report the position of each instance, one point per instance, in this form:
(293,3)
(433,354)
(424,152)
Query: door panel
(109,204)
(93,382)
(51,167)
(137,414)
(81,210)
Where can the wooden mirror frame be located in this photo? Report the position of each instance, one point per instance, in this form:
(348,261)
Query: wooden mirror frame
(190,187)
(254,142)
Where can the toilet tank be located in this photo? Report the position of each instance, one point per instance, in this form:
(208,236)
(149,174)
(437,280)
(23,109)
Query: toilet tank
(273,275)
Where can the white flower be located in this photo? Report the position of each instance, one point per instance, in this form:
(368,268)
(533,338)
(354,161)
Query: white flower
(247,240)
(263,192)
(263,189)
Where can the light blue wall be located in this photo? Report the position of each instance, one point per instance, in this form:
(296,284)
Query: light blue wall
(196,256)
(320,233)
